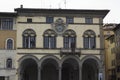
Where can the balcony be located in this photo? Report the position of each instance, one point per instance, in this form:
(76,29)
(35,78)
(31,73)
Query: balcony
(70,51)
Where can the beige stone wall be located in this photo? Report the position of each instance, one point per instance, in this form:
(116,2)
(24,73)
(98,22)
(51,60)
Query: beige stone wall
(110,56)
(40,28)
(34,19)
(43,19)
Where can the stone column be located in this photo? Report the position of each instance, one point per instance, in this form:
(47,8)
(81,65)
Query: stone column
(20,75)
(80,72)
(39,73)
(60,70)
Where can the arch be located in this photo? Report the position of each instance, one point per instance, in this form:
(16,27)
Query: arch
(28,68)
(90,68)
(70,68)
(29,38)
(49,68)
(49,39)
(9,43)
(69,32)
(27,57)
(49,57)
(70,57)
(69,39)
(28,32)
(89,32)
(91,57)
(49,32)
(89,39)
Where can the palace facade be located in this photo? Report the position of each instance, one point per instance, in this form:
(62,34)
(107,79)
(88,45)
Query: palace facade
(117,50)
(110,56)
(52,44)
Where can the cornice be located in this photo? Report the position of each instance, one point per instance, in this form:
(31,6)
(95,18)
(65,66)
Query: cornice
(61,12)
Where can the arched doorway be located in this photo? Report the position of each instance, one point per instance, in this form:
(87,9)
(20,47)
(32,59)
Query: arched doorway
(49,70)
(29,69)
(90,70)
(70,70)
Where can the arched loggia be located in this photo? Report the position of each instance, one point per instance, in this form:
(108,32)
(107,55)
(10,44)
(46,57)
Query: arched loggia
(90,70)
(70,69)
(29,69)
(49,69)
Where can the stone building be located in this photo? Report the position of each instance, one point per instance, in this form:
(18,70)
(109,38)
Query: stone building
(110,56)
(59,44)
(7,46)
(117,50)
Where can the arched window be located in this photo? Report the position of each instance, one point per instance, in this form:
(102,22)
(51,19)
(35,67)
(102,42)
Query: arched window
(9,63)
(29,38)
(89,39)
(69,39)
(9,44)
(49,39)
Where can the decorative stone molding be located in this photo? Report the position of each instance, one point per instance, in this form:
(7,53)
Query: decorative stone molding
(59,26)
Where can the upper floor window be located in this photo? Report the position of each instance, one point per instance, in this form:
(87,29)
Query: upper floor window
(69,39)
(9,63)
(69,20)
(89,39)
(118,68)
(49,19)
(89,20)
(29,20)
(29,38)
(9,44)
(49,39)
(6,23)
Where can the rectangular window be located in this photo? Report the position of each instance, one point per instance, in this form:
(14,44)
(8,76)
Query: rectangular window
(118,68)
(92,42)
(6,23)
(25,42)
(66,42)
(52,42)
(86,42)
(9,63)
(29,20)
(69,20)
(32,42)
(72,42)
(49,19)
(89,20)
(46,42)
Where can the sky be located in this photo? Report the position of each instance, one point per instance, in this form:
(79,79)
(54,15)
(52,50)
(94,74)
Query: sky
(113,5)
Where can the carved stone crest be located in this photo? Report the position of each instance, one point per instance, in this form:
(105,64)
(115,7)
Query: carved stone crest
(59,26)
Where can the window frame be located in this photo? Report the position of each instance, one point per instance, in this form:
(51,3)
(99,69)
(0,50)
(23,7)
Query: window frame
(91,39)
(6,23)
(69,39)
(26,42)
(89,20)
(69,20)
(8,64)
(49,19)
(50,36)
(7,43)
(29,20)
